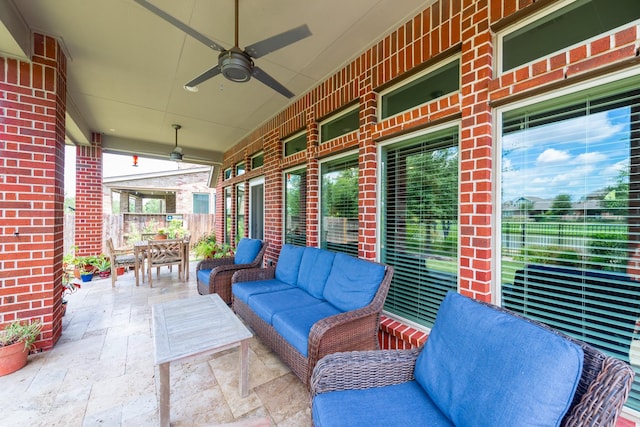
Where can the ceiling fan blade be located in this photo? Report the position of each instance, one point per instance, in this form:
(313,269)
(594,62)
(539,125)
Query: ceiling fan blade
(265,78)
(180,25)
(211,72)
(278,41)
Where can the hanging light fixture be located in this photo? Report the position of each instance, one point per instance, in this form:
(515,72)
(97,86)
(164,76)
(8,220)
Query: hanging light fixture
(176,154)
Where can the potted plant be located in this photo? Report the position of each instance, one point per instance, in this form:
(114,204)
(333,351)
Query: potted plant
(16,339)
(161,234)
(102,265)
(208,248)
(85,275)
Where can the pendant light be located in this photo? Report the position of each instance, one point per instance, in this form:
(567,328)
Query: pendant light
(176,154)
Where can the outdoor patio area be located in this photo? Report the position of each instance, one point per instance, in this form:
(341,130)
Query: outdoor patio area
(101,371)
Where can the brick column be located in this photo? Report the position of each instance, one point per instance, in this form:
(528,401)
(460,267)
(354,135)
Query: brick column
(89,197)
(32,132)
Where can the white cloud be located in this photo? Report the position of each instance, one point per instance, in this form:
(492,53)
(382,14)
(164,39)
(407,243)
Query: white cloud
(551,155)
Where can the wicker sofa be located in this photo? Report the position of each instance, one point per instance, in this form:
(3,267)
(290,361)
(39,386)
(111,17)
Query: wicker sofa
(214,275)
(312,303)
(481,365)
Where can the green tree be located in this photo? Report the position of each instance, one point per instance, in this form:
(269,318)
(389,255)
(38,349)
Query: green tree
(561,205)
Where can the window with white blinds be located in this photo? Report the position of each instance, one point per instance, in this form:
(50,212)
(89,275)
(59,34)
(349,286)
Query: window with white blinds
(339,205)
(570,213)
(240,206)
(295,207)
(227,215)
(200,203)
(420,223)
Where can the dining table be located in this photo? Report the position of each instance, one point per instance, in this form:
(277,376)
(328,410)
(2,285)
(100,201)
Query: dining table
(140,252)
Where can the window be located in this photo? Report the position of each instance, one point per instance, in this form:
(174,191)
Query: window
(257,161)
(240,169)
(295,144)
(340,124)
(570,216)
(256,208)
(295,207)
(569,25)
(419,226)
(436,82)
(227,215)
(200,203)
(339,201)
(240,200)
(227,174)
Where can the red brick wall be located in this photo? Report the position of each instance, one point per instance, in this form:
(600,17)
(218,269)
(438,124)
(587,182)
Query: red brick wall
(32,131)
(89,197)
(447,27)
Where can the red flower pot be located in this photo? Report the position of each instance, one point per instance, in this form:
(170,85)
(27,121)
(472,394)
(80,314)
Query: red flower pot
(12,358)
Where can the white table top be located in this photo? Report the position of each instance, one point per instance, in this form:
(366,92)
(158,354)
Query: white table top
(187,327)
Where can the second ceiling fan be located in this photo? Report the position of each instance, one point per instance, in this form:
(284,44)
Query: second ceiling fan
(236,64)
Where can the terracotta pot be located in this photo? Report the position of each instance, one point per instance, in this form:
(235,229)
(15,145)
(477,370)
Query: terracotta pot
(12,358)
(120,271)
(160,237)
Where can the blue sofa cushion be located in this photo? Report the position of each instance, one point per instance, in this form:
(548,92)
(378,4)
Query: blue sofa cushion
(315,267)
(247,250)
(294,325)
(485,367)
(244,290)
(353,282)
(403,404)
(267,304)
(289,264)
(203,276)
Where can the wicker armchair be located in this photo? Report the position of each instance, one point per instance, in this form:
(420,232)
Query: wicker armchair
(601,393)
(222,270)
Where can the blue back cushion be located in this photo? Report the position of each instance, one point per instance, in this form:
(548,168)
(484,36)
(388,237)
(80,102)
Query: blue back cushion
(484,367)
(203,276)
(247,250)
(353,282)
(289,264)
(315,267)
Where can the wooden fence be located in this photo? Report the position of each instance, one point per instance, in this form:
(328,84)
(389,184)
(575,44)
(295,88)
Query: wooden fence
(114,227)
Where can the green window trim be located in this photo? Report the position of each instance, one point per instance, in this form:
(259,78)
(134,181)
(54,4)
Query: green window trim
(295,144)
(340,124)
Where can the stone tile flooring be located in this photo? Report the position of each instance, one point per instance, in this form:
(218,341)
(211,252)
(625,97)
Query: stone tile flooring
(101,371)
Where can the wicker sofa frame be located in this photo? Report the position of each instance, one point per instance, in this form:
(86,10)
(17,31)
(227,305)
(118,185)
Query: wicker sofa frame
(222,270)
(351,330)
(602,391)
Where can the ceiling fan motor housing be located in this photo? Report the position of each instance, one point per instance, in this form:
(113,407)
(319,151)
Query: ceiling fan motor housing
(235,65)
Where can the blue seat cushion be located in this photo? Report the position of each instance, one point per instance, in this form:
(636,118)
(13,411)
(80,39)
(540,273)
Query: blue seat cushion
(267,304)
(247,250)
(289,263)
(244,290)
(295,325)
(482,366)
(404,404)
(315,267)
(353,282)
(203,276)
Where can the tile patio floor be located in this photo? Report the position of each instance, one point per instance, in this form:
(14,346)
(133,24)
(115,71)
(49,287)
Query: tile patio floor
(101,371)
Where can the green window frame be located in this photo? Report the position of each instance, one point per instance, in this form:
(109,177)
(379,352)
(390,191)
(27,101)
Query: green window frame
(240,211)
(240,169)
(295,144)
(227,215)
(226,174)
(435,82)
(200,203)
(340,124)
(295,207)
(257,161)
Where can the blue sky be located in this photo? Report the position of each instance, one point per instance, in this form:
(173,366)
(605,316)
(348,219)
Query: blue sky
(576,156)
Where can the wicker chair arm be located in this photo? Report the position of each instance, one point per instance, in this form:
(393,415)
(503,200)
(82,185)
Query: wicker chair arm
(363,369)
(253,274)
(210,264)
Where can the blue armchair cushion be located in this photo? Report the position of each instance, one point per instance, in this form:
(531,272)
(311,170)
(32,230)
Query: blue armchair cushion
(203,276)
(244,290)
(267,304)
(289,264)
(247,250)
(404,404)
(353,282)
(295,325)
(315,267)
(485,367)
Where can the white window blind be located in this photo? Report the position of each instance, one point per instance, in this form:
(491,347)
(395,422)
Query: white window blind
(420,226)
(571,218)
(295,207)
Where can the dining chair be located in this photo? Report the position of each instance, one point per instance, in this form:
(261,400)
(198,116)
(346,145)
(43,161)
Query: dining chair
(160,253)
(120,257)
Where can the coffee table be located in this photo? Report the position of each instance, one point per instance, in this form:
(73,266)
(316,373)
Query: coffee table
(196,326)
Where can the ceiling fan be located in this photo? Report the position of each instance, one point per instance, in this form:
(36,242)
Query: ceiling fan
(236,64)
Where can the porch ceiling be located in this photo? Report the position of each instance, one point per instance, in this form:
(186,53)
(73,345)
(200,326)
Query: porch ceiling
(127,67)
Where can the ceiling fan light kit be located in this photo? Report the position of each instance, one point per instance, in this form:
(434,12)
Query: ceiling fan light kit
(236,64)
